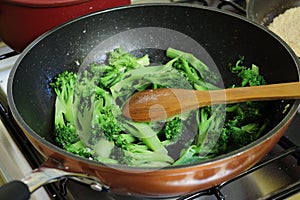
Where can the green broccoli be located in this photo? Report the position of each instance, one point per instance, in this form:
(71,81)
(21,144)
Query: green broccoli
(173,129)
(99,115)
(223,129)
(65,130)
(148,77)
(120,62)
(249,76)
(80,149)
(64,122)
(63,86)
(65,135)
(197,73)
(99,92)
(141,157)
(106,113)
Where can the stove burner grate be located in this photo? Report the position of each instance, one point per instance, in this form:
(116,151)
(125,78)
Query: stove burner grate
(290,149)
(203,2)
(237,6)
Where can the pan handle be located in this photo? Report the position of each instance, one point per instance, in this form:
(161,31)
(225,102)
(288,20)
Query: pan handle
(21,190)
(16,190)
(234,4)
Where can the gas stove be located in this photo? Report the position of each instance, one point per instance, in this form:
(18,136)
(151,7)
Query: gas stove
(277,176)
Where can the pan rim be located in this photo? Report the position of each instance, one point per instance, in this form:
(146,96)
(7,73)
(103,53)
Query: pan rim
(229,155)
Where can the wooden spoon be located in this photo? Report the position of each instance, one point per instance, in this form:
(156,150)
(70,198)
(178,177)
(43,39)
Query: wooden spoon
(159,104)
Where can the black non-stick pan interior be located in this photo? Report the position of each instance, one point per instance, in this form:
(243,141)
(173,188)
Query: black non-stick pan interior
(216,38)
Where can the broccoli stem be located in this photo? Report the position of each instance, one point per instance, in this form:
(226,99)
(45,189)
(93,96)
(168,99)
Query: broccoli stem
(144,132)
(147,158)
(173,53)
(195,70)
(103,148)
(189,155)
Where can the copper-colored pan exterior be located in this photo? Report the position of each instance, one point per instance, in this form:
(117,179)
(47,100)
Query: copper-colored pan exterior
(167,182)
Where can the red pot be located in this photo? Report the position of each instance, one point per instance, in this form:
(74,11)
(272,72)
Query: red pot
(22,21)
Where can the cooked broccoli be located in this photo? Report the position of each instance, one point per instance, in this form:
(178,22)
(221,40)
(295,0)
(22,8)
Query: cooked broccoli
(99,116)
(120,62)
(223,129)
(80,149)
(145,158)
(108,129)
(64,124)
(65,130)
(173,129)
(106,113)
(246,124)
(63,86)
(249,76)
(89,104)
(148,77)
(197,73)
(65,135)
(121,59)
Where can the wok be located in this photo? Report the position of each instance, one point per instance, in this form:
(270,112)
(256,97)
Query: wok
(263,12)
(214,36)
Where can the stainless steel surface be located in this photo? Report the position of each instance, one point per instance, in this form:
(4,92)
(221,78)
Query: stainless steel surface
(44,175)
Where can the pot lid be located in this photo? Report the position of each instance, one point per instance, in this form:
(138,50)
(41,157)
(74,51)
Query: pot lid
(45,3)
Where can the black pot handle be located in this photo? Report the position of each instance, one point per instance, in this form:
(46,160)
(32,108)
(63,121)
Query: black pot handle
(15,190)
(233,4)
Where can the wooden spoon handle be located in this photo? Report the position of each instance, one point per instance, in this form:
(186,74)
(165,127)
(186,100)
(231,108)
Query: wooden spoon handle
(151,105)
(255,93)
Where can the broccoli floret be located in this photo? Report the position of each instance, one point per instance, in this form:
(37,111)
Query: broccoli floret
(106,113)
(249,76)
(124,140)
(211,120)
(136,153)
(198,74)
(145,133)
(148,77)
(95,114)
(245,124)
(64,123)
(120,59)
(63,86)
(80,149)
(139,155)
(66,135)
(173,129)
(120,62)
(64,128)
(189,156)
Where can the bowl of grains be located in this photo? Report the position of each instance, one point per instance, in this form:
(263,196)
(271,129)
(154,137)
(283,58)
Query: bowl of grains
(280,16)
